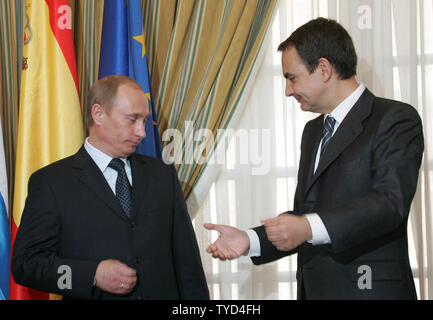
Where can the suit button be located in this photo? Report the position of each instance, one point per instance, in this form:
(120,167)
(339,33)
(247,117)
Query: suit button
(132,224)
(137,260)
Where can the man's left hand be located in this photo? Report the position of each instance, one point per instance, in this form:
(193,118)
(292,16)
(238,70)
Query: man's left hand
(287,231)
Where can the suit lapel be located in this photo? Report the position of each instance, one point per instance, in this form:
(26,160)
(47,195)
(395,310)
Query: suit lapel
(91,176)
(308,153)
(347,132)
(142,178)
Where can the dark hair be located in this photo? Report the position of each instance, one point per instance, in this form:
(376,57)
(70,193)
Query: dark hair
(324,38)
(103,92)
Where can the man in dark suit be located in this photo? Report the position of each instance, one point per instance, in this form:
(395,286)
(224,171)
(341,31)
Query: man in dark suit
(115,220)
(357,177)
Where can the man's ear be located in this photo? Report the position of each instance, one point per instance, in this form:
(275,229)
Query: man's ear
(98,113)
(325,69)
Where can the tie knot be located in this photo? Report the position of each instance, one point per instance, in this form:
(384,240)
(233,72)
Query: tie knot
(117,164)
(329,124)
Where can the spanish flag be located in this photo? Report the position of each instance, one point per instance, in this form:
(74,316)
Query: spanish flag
(50,121)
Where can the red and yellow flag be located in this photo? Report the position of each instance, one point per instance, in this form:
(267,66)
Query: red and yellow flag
(50,122)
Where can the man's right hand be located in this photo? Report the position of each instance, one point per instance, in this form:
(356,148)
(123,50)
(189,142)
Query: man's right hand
(231,243)
(115,277)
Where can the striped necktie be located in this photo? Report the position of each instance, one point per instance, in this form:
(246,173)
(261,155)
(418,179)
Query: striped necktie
(328,129)
(123,188)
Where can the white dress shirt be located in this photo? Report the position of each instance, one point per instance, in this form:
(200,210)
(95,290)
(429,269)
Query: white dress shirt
(318,230)
(102,160)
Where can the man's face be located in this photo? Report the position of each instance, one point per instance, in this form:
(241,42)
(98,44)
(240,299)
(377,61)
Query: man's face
(306,88)
(124,127)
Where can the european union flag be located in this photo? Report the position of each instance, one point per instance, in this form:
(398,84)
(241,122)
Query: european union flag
(123,52)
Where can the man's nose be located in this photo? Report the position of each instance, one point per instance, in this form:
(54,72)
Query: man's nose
(289,89)
(140,129)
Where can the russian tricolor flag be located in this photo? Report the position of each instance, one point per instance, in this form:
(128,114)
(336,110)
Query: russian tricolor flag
(5,238)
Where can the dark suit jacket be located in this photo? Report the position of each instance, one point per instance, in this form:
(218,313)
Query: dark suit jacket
(362,190)
(72,218)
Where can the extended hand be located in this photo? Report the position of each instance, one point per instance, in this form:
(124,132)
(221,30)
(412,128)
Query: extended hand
(231,243)
(115,277)
(287,231)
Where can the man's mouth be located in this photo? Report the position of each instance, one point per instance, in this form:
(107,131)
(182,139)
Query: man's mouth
(133,143)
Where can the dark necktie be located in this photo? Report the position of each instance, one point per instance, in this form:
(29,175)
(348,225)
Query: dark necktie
(123,188)
(328,129)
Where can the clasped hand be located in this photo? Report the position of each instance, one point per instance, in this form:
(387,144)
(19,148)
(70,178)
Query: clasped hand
(287,231)
(115,277)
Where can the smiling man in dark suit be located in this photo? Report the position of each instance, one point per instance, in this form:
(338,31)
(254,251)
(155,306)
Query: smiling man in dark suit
(117,220)
(357,177)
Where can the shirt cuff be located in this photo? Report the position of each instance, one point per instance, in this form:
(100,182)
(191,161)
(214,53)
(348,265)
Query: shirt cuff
(318,230)
(254,250)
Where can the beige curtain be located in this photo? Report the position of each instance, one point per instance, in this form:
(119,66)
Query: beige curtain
(209,55)
(11,35)
(88,27)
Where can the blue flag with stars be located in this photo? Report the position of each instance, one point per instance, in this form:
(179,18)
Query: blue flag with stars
(123,52)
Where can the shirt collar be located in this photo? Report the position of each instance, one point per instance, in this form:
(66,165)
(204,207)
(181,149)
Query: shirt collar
(101,159)
(341,111)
